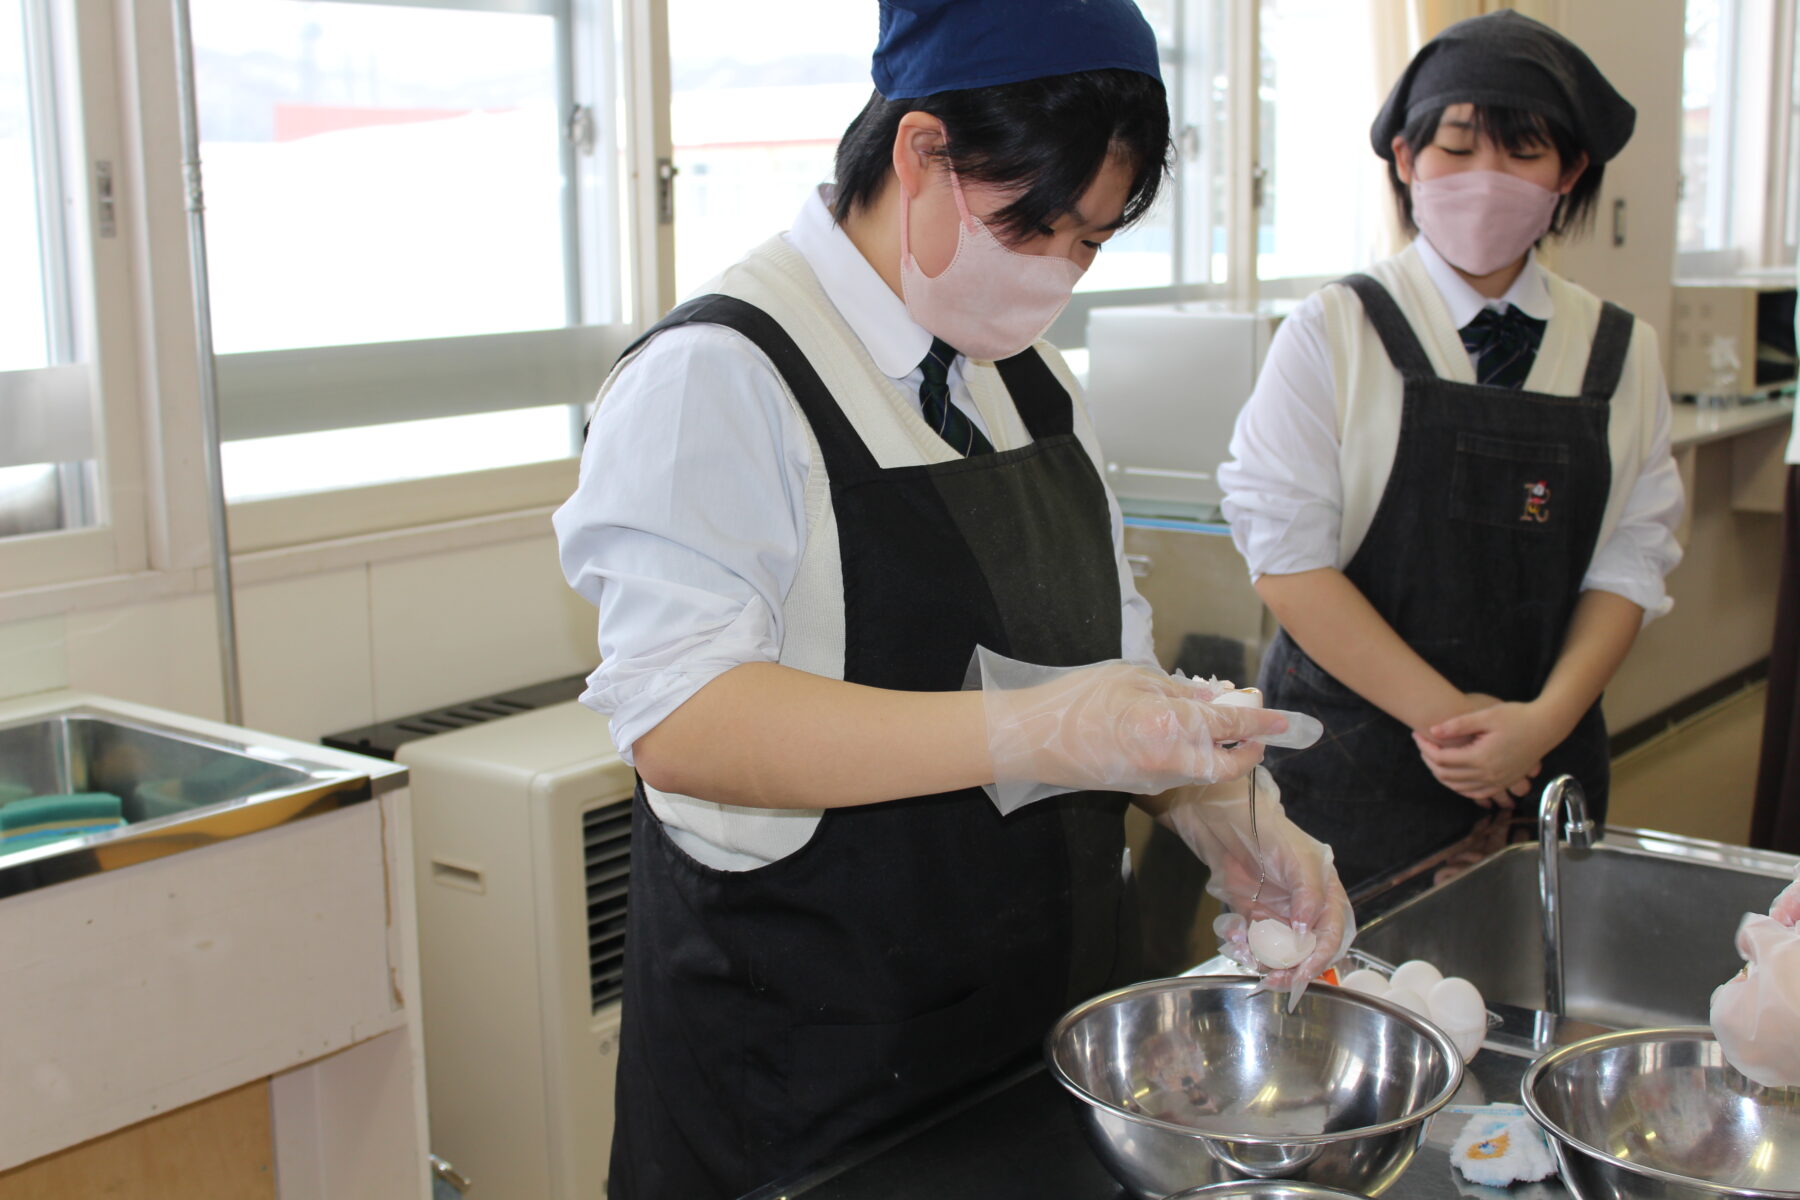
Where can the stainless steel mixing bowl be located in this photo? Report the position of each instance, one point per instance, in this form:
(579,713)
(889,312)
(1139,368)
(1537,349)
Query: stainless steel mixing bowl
(1183,1082)
(1655,1113)
(1265,1189)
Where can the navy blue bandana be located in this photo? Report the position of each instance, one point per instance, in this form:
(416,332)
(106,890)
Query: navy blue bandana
(931,46)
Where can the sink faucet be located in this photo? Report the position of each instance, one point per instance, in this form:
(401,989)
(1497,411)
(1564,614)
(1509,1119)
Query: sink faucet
(1581,836)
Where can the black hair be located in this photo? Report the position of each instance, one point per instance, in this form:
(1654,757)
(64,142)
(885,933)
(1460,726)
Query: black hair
(1514,129)
(1046,139)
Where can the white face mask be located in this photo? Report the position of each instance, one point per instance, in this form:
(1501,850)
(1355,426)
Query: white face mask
(990,302)
(1482,220)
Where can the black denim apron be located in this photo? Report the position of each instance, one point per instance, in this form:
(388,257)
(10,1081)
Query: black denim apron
(910,948)
(1475,556)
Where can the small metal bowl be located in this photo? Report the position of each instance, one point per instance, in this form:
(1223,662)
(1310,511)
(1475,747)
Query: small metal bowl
(1659,1113)
(1265,1189)
(1199,1080)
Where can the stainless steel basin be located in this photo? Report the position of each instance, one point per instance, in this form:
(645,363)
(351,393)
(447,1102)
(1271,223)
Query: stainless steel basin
(179,789)
(1649,922)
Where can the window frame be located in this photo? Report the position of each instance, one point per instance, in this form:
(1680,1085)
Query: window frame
(1758,96)
(269,393)
(95,290)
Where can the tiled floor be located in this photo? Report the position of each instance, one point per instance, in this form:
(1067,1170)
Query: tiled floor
(1698,778)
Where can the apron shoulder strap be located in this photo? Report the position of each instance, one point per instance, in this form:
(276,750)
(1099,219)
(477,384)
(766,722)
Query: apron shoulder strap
(1396,332)
(1606,360)
(840,445)
(1041,400)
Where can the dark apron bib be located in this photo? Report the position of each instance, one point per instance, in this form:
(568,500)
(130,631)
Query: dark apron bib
(1475,556)
(910,948)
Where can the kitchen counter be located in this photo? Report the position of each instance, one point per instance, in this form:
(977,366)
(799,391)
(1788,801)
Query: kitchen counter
(1692,425)
(1020,1140)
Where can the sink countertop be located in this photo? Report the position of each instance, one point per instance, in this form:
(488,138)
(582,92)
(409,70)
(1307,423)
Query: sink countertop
(1020,1141)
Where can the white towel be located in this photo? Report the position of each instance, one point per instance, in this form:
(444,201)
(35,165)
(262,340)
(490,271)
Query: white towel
(1501,1144)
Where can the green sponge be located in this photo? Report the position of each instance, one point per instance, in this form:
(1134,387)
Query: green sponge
(40,819)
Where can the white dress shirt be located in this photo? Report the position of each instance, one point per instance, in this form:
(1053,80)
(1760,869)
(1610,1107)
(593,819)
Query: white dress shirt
(1284,497)
(688,524)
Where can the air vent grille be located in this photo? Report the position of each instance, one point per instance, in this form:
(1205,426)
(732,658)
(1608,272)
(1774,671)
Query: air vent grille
(606,842)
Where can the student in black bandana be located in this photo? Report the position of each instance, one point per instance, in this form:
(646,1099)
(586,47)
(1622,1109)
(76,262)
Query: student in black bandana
(1453,482)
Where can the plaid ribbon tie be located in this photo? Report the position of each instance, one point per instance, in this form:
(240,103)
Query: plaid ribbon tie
(1503,346)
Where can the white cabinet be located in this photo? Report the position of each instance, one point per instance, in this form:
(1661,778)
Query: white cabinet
(285,953)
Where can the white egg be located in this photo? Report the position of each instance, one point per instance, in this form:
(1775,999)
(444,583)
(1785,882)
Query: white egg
(1417,975)
(1408,999)
(1456,1003)
(1277,946)
(1241,698)
(1369,983)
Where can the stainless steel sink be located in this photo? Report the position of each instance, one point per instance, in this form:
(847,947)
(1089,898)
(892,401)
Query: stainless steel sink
(179,789)
(1649,922)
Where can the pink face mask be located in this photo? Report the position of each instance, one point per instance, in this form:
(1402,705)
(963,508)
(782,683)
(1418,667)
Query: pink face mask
(1481,220)
(990,302)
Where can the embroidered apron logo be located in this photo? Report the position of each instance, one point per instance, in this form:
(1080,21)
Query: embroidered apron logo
(1537,502)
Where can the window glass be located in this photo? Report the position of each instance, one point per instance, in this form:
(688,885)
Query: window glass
(1790,224)
(260,468)
(49,468)
(23,341)
(1703,215)
(1144,255)
(381,172)
(378,172)
(757,108)
(1322,196)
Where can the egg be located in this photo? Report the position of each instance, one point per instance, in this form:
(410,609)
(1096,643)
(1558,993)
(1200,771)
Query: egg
(1457,1007)
(1277,946)
(1408,999)
(1369,983)
(1456,1002)
(1417,975)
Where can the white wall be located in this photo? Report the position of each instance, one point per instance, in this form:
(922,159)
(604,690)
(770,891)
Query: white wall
(1638,45)
(326,650)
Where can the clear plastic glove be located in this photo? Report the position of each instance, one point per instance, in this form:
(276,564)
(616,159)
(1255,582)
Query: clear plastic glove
(1756,1016)
(1111,726)
(1786,908)
(1300,884)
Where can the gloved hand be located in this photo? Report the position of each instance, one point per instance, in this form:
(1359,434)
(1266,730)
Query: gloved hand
(1756,1016)
(1110,726)
(1300,885)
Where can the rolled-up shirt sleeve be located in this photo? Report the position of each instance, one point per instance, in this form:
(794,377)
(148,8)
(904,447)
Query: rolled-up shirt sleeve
(686,527)
(1641,550)
(1283,495)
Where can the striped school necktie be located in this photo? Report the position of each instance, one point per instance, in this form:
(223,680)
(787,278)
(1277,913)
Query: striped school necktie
(1503,346)
(939,412)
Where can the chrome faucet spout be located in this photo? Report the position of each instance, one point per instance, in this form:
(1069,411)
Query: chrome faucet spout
(1561,791)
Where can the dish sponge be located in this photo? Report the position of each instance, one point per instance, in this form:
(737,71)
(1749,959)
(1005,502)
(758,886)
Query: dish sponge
(38,820)
(1501,1144)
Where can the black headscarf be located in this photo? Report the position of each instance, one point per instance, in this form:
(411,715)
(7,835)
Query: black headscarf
(1504,60)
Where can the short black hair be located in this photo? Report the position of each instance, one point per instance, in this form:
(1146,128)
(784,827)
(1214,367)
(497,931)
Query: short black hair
(1514,129)
(1047,138)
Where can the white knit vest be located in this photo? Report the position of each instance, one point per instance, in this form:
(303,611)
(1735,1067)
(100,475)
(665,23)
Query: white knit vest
(776,279)
(1369,389)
